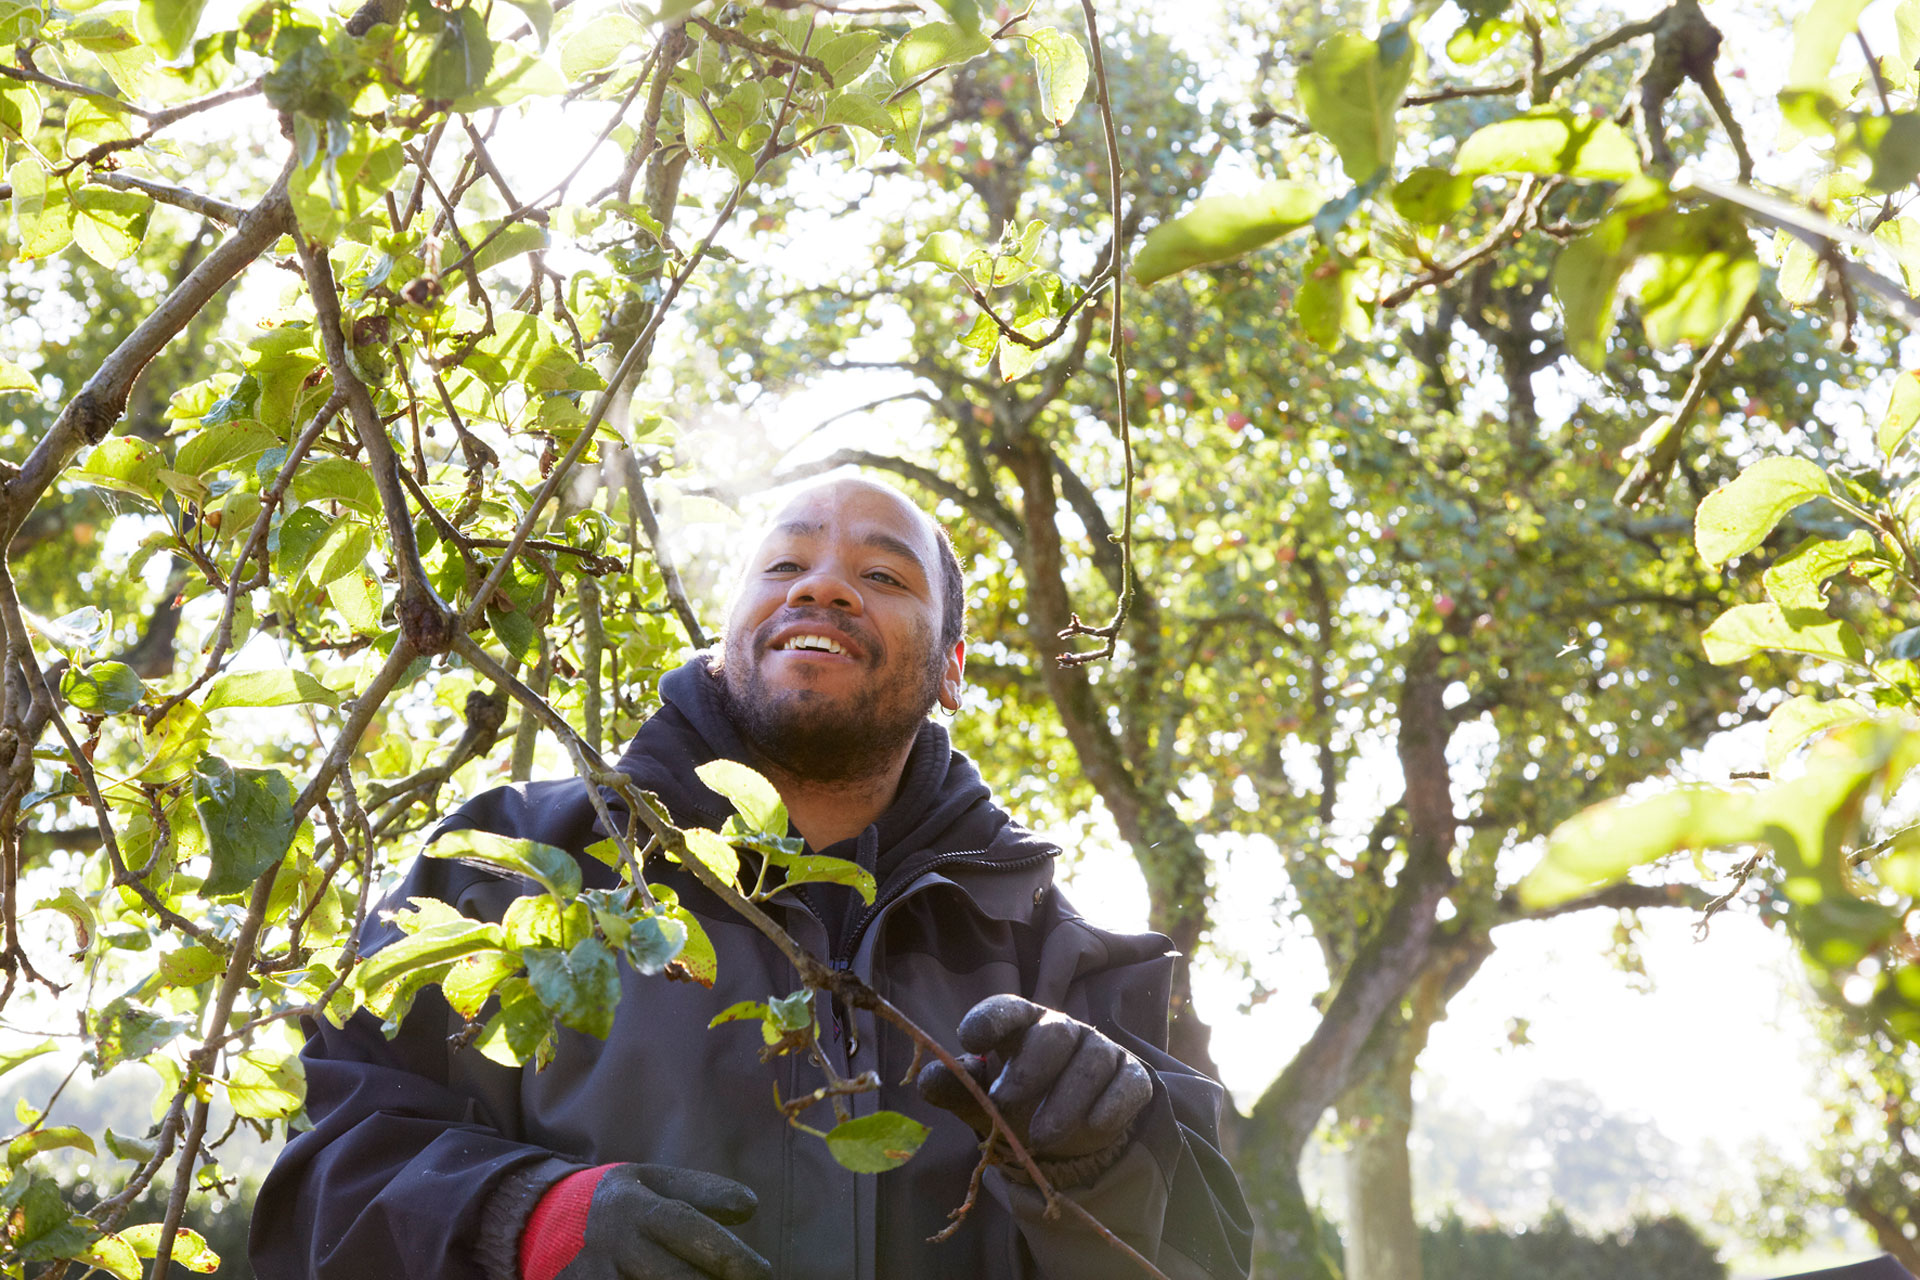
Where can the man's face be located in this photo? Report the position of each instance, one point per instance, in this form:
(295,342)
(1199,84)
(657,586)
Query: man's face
(832,650)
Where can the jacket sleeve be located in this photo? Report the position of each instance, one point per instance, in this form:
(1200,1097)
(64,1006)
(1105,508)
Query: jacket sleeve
(1171,1195)
(406,1143)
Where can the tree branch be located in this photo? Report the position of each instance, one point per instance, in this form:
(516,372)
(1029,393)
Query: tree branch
(91,414)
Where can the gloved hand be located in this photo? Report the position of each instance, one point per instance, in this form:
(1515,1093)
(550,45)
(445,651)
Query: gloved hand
(648,1222)
(1067,1090)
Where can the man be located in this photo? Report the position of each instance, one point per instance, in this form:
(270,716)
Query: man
(658,1152)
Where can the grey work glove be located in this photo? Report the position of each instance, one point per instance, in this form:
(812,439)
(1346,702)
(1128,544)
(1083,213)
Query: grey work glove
(1069,1093)
(654,1222)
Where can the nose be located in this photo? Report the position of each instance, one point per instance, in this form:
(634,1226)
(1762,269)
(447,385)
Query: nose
(824,586)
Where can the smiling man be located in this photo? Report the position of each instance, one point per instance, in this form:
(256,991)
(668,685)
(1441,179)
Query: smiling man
(657,1153)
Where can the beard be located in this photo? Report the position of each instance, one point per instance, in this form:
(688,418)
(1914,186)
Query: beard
(817,737)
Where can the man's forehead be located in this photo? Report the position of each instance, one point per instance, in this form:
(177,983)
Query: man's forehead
(873,513)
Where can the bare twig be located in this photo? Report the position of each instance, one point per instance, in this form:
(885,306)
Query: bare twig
(179,197)
(1110,632)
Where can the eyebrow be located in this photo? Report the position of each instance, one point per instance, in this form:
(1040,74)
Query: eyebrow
(878,540)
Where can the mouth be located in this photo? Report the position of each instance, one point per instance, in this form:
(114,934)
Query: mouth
(815,640)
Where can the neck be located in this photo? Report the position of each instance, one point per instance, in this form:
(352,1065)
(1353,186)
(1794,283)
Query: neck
(825,812)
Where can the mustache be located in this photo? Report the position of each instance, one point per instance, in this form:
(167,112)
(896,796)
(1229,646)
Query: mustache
(831,621)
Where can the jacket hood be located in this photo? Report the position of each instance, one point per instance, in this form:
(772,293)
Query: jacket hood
(943,806)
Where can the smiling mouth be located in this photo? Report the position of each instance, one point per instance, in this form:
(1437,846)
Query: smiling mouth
(810,643)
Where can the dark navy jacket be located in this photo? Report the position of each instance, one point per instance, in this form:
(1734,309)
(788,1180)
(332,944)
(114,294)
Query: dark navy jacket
(409,1137)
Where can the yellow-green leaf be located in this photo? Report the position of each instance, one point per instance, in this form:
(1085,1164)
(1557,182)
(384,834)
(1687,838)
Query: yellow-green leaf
(1060,65)
(1221,228)
(1738,516)
(1551,141)
(930,47)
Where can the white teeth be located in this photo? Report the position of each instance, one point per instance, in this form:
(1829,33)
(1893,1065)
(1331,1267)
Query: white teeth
(813,642)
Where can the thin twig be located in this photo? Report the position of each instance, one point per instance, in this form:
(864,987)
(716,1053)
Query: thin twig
(179,197)
(1117,346)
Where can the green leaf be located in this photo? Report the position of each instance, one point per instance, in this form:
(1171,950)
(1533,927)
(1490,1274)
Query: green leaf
(14,378)
(337,480)
(168,25)
(140,1149)
(876,1143)
(814,868)
(1060,65)
(1738,516)
(1746,629)
(713,852)
(1796,579)
(739,1011)
(1586,280)
(267,1086)
(944,248)
(114,1256)
(1351,89)
(1551,141)
(930,47)
(520,1030)
(77,910)
(439,943)
(20,112)
(109,225)
(1221,228)
(552,869)
(343,551)
(126,464)
(359,599)
(791,1012)
(752,796)
(846,56)
(1430,196)
(102,689)
(598,44)
(1598,846)
(1903,410)
(248,817)
(223,446)
(1699,271)
(124,1032)
(189,1247)
(279,687)
(1475,42)
(462,56)
(1016,358)
(473,979)
(861,110)
(1328,304)
(189,966)
(1892,143)
(42,213)
(581,986)
(1817,34)
(654,942)
(1800,719)
(295,541)
(12,1058)
(28,1145)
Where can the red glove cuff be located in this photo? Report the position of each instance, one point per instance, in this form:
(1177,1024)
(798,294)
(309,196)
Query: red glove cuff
(557,1227)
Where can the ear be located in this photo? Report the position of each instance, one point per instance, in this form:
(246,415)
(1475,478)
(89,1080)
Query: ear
(951,679)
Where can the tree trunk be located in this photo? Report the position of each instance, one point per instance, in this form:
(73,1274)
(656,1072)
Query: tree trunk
(1886,1232)
(1383,1241)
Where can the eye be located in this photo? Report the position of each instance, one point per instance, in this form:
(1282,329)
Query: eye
(783,566)
(881,575)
